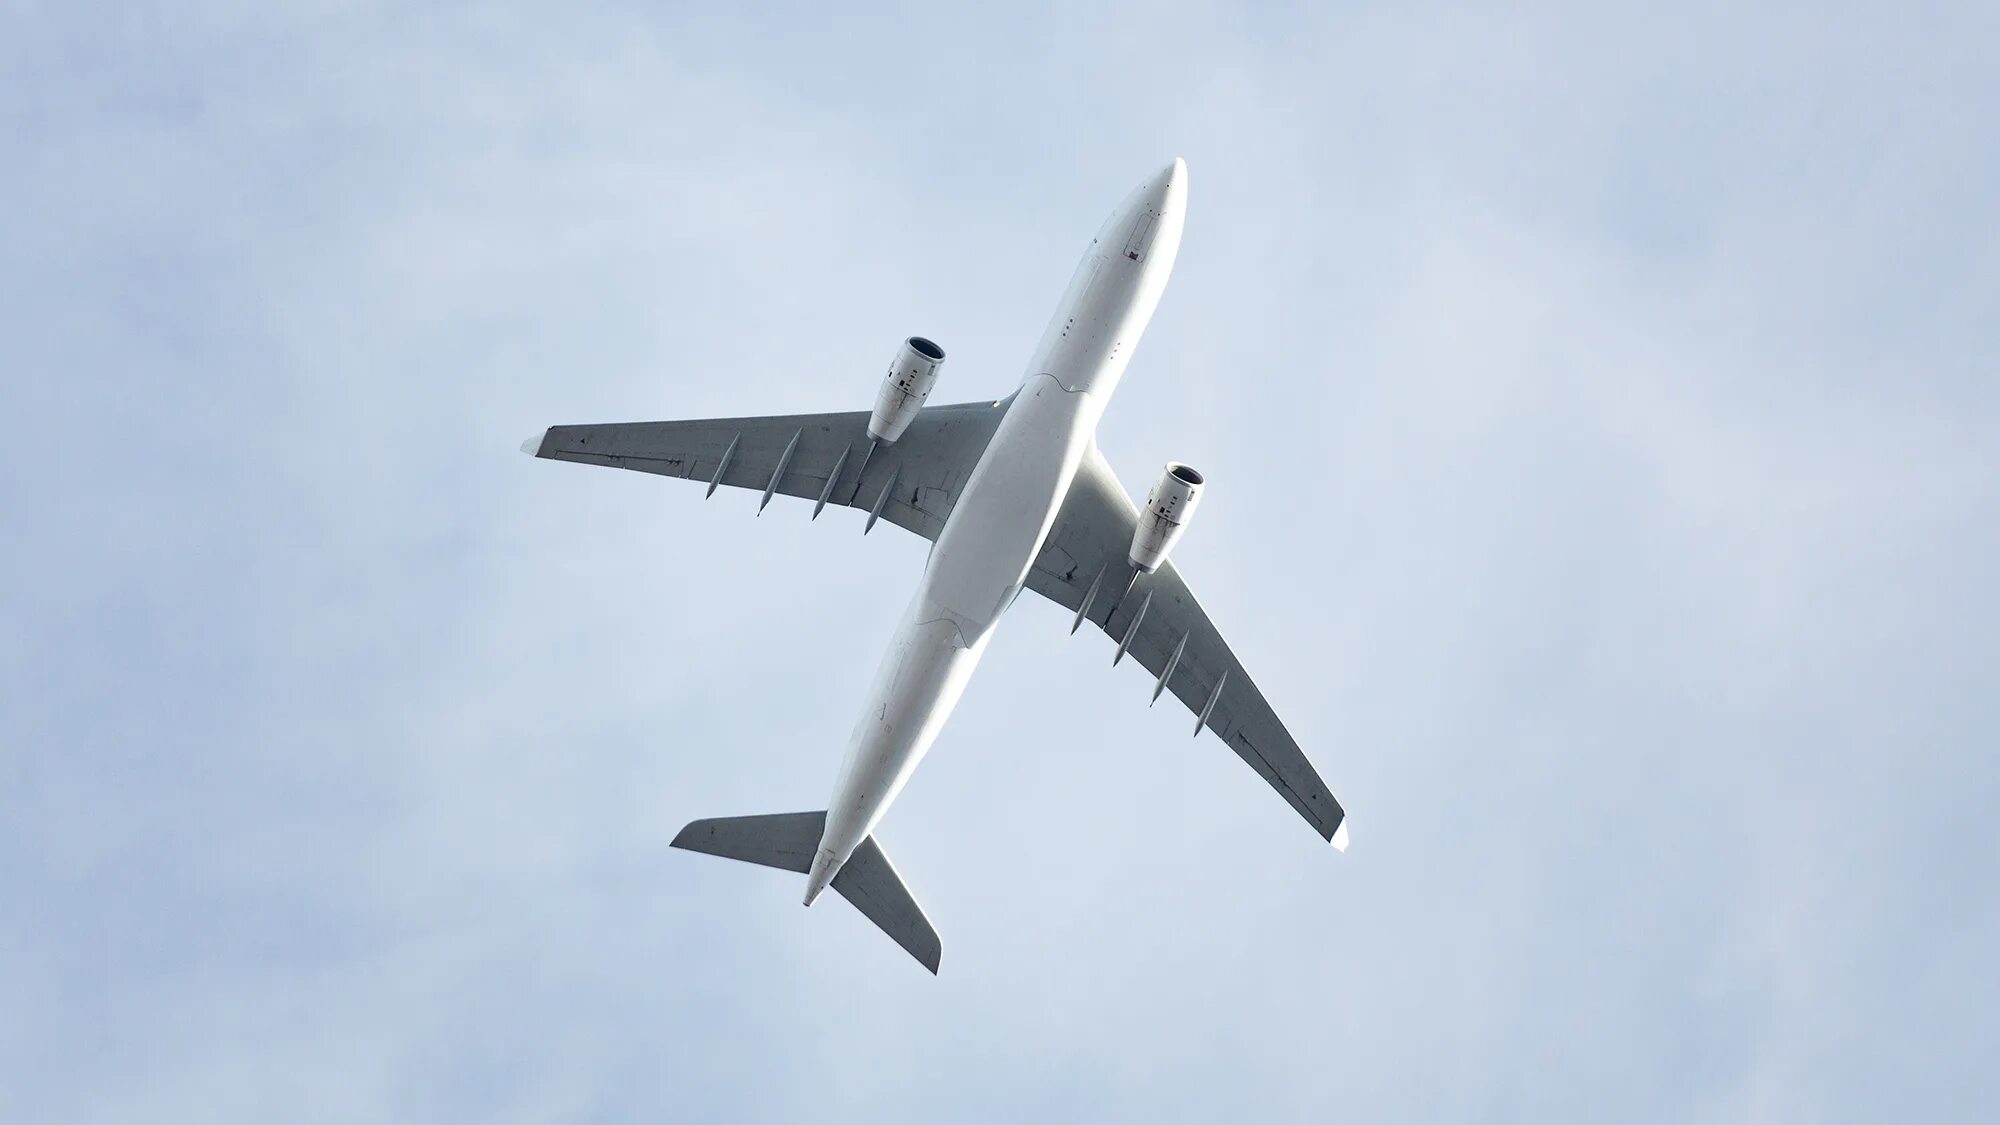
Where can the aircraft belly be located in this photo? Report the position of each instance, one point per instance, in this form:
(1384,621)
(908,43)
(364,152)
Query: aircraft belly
(920,681)
(980,561)
(1008,506)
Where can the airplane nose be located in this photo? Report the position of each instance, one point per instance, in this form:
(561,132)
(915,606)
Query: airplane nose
(1147,224)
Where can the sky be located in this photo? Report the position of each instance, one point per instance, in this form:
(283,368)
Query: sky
(1599,406)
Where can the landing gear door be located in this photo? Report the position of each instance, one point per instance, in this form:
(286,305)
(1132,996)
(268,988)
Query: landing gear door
(1141,239)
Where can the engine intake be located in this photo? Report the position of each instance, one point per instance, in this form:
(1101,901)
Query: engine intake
(1169,507)
(912,374)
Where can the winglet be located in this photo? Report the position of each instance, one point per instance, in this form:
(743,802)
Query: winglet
(1340,836)
(533,446)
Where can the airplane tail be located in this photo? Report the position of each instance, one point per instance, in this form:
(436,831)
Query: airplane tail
(787,841)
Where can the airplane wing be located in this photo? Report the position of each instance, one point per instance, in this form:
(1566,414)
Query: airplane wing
(1161,625)
(824,458)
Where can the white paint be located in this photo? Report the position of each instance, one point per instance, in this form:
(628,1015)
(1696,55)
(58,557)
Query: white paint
(1006,510)
(913,371)
(1169,507)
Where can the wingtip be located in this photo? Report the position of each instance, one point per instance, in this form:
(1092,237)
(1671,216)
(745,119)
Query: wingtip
(533,446)
(1340,836)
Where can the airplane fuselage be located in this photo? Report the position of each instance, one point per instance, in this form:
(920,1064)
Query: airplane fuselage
(1006,510)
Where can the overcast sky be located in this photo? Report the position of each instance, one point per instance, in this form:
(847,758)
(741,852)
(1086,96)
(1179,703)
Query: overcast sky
(1600,412)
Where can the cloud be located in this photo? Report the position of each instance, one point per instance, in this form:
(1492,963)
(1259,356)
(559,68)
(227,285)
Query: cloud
(1602,489)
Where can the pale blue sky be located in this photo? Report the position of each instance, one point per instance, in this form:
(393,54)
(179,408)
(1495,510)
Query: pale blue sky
(1600,408)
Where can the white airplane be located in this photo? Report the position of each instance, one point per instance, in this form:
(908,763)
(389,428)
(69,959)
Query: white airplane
(1014,495)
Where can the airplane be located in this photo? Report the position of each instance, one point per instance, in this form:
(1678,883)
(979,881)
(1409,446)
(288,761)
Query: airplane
(1014,495)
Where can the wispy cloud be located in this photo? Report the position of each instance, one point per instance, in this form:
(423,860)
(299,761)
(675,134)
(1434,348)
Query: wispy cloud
(1600,419)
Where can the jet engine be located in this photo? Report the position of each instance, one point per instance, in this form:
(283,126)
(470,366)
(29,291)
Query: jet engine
(1165,515)
(911,376)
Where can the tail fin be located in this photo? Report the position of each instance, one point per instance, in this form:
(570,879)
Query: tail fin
(787,841)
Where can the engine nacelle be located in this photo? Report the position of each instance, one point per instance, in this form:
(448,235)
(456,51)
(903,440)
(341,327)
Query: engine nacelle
(1169,507)
(911,376)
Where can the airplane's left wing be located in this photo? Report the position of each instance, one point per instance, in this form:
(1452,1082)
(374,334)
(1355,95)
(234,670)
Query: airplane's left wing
(824,458)
(1157,621)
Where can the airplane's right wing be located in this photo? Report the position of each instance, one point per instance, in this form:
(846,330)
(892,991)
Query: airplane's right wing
(824,458)
(1083,567)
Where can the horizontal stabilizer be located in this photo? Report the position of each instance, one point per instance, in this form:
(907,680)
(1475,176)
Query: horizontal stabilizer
(869,882)
(781,840)
(787,841)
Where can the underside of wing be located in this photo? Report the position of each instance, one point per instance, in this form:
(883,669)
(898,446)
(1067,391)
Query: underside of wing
(1158,623)
(824,458)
